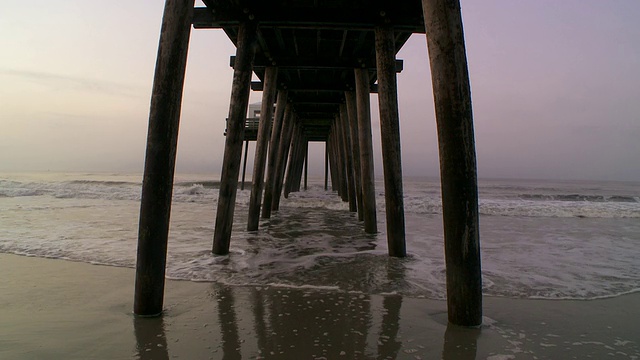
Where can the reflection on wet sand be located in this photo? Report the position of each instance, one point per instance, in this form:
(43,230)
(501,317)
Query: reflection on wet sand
(388,342)
(228,324)
(307,322)
(293,323)
(151,341)
(460,343)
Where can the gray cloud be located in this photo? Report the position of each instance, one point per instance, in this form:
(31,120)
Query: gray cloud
(69,82)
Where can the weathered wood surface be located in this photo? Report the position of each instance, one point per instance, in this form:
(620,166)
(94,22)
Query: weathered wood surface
(262,143)
(160,158)
(341,160)
(276,135)
(235,135)
(283,154)
(244,163)
(366,152)
(326,165)
(352,120)
(306,166)
(292,164)
(452,96)
(332,161)
(390,132)
(346,135)
(299,165)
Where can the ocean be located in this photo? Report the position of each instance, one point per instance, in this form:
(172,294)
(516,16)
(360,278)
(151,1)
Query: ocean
(539,239)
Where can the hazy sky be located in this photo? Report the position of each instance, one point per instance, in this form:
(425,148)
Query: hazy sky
(555,86)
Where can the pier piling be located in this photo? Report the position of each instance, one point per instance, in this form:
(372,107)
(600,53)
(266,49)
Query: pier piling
(274,144)
(352,119)
(366,151)
(458,174)
(390,131)
(235,135)
(160,158)
(262,143)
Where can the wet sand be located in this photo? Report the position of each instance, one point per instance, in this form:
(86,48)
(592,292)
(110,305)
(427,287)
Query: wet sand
(56,309)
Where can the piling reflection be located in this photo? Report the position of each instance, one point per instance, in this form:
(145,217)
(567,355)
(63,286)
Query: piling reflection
(151,341)
(309,324)
(304,323)
(228,324)
(388,343)
(460,343)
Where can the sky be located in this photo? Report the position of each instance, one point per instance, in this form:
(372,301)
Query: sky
(555,90)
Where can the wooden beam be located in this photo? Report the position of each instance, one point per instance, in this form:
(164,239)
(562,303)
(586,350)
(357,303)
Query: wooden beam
(235,135)
(306,164)
(314,63)
(274,144)
(342,160)
(219,15)
(258,86)
(262,143)
(346,138)
(352,119)
(315,108)
(458,172)
(390,132)
(283,152)
(366,152)
(335,166)
(294,154)
(160,157)
(244,162)
(326,164)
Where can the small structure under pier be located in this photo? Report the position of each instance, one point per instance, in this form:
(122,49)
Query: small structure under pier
(318,62)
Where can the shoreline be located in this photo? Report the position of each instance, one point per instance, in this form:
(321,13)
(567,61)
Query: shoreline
(58,309)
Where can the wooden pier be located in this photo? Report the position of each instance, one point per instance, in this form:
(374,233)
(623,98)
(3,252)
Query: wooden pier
(318,62)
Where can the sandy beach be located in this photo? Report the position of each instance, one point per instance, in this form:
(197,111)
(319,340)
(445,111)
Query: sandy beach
(56,309)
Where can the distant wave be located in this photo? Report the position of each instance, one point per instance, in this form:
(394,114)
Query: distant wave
(532,208)
(206,184)
(97,182)
(22,193)
(579,197)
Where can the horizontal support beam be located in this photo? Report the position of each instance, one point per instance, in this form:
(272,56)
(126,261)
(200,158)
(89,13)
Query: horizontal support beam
(316,103)
(315,63)
(324,122)
(314,106)
(220,15)
(258,86)
(324,115)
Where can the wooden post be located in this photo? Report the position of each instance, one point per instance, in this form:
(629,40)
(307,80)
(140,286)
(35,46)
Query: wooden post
(332,160)
(235,134)
(294,172)
(352,120)
(326,165)
(276,135)
(342,162)
(351,186)
(306,165)
(293,157)
(454,119)
(266,113)
(301,163)
(336,161)
(366,151)
(283,154)
(390,130)
(244,163)
(160,158)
